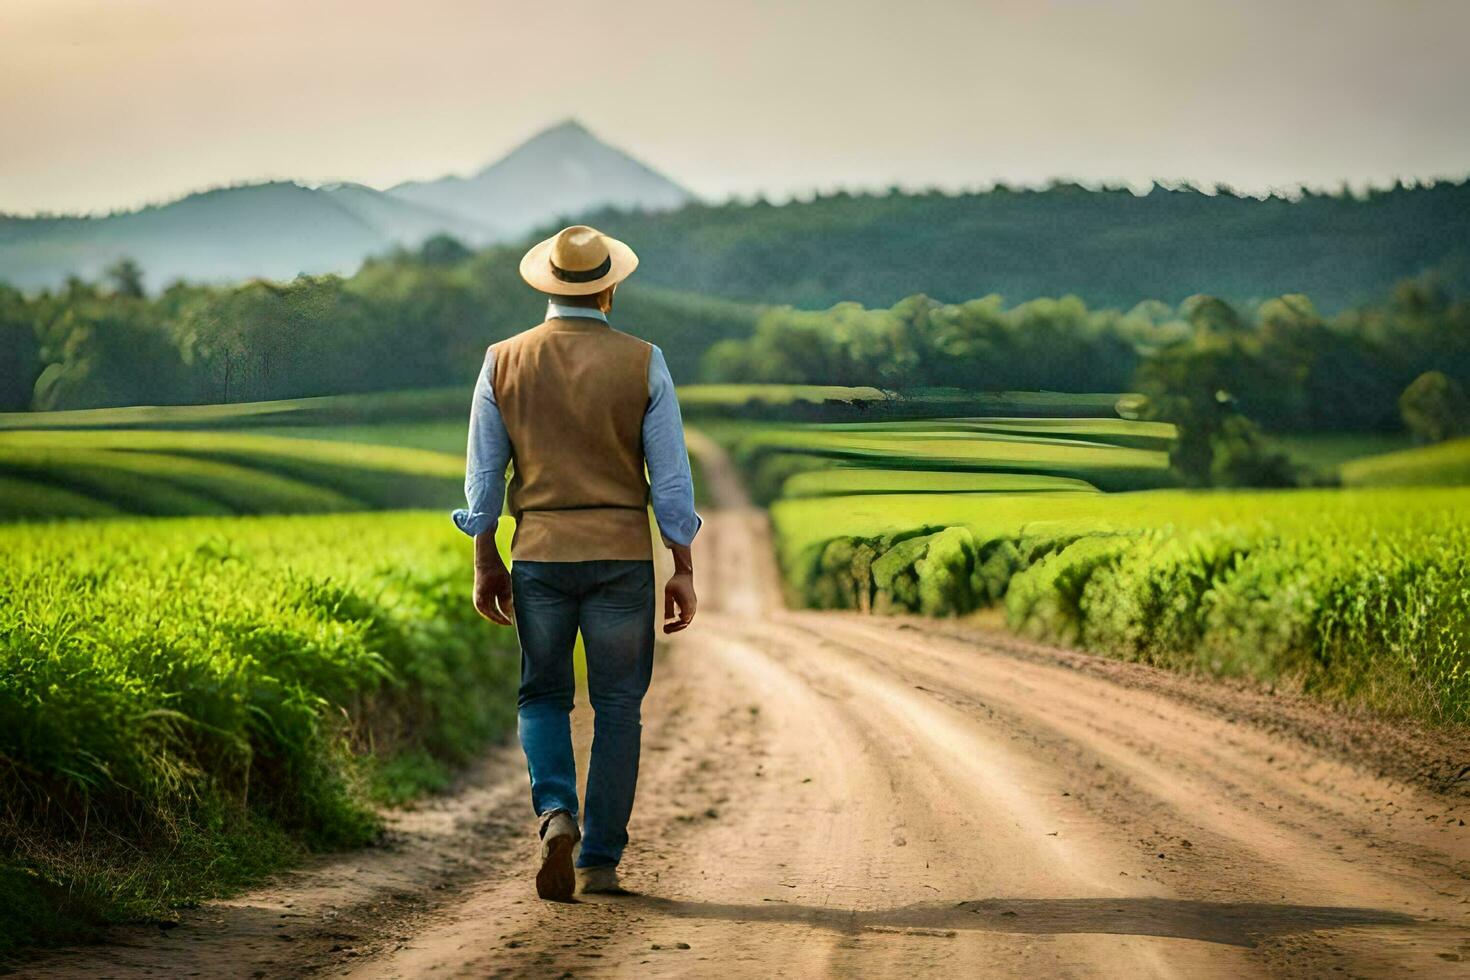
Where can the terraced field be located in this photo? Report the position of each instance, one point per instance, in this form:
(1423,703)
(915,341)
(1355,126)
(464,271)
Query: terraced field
(974,454)
(81,473)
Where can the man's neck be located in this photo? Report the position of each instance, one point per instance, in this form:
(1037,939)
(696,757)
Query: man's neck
(562,311)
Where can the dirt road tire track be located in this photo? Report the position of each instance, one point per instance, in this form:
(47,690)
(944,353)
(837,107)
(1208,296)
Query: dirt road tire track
(835,795)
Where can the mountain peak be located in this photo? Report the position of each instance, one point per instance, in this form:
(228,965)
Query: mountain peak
(561,172)
(566,137)
(571,125)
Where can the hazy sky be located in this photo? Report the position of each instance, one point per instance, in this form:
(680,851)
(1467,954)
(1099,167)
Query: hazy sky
(112,103)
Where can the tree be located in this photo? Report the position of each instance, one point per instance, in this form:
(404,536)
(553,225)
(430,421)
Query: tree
(126,277)
(443,250)
(20,353)
(1190,384)
(1435,408)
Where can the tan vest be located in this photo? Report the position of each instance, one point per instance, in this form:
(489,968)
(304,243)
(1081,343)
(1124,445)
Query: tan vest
(573,393)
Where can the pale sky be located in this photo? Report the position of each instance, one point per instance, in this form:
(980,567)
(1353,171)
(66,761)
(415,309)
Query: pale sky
(114,103)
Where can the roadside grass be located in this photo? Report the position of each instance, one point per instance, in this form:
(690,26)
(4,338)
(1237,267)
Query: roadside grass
(1443,464)
(186,704)
(1355,596)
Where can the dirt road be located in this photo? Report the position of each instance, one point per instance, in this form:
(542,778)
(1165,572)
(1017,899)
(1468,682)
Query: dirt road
(833,795)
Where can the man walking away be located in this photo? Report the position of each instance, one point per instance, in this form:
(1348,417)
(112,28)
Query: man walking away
(579,409)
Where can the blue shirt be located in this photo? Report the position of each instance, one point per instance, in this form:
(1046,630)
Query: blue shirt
(671,486)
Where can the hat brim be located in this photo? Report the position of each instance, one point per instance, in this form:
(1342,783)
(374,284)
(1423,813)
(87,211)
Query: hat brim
(536,269)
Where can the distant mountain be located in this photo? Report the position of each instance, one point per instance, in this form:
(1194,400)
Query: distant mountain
(273,230)
(281,229)
(561,172)
(405,223)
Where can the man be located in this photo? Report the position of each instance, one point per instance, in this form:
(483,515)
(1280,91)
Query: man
(579,409)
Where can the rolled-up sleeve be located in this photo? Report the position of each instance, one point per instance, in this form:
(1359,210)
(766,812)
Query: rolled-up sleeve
(486,457)
(671,484)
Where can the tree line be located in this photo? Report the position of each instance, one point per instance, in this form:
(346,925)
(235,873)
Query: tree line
(413,319)
(1108,245)
(422,318)
(1220,371)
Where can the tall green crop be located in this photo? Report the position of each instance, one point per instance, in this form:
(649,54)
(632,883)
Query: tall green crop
(1359,596)
(184,687)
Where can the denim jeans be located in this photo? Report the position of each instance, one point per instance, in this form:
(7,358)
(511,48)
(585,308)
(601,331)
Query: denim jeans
(612,603)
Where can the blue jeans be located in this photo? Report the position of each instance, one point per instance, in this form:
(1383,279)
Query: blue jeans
(612,603)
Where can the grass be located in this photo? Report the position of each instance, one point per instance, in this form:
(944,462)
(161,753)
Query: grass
(1357,596)
(1444,464)
(186,704)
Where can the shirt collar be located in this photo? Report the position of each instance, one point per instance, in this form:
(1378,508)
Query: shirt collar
(559,311)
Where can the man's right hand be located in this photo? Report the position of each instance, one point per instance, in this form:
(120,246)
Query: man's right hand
(493,598)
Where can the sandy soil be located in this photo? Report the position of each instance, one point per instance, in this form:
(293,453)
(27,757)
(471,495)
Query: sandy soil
(835,795)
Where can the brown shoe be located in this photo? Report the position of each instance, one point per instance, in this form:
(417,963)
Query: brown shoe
(599,881)
(559,835)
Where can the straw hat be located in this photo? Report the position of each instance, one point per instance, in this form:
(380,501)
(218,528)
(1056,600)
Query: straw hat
(577,261)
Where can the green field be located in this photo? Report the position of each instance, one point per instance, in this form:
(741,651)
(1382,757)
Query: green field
(835,403)
(1325,452)
(379,406)
(436,435)
(1108,454)
(1358,596)
(846,481)
(1445,464)
(185,704)
(82,473)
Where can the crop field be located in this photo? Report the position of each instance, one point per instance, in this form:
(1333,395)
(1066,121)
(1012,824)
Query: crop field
(381,406)
(1080,454)
(79,473)
(436,435)
(839,481)
(833,403)
(188,703)
(1358,595)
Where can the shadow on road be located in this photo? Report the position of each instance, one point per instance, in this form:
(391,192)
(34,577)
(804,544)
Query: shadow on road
(1231,923)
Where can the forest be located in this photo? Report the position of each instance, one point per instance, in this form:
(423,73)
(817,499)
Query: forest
(1108,245)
